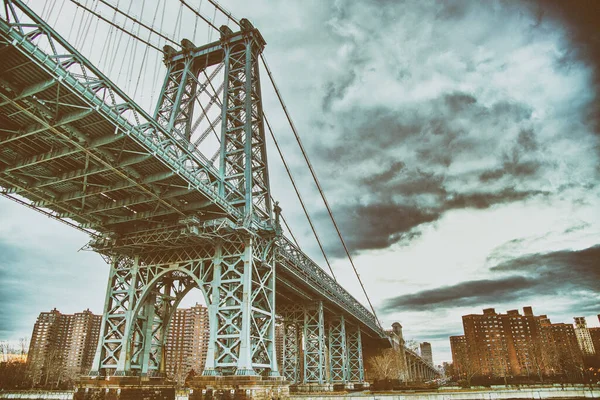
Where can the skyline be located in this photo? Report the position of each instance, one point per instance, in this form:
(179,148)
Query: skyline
(456,142)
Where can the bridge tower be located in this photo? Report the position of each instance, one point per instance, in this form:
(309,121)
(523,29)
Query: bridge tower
(231,261)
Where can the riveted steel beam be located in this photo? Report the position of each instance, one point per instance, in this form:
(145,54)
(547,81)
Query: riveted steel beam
(121,185)
(32,90)
(37,128)
(135,200)
(80,173)
(195,206)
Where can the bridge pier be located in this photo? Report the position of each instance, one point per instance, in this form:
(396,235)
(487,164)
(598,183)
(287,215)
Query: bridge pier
(320,351)
(293,322)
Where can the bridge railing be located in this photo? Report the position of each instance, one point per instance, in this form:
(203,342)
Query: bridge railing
(298,263)
(63,62)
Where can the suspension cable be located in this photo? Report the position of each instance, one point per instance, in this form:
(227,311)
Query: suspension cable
(310,167)
(199,15)
(288,228)
(117,26)
(312,171)
(289,172)
(227,13)
(139,22)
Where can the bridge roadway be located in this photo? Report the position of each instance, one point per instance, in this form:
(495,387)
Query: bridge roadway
(75,147)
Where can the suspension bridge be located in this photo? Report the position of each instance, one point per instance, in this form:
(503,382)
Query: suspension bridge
(176,198)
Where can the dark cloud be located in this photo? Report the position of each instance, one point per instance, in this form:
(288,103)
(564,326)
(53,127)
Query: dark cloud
(377,226)
(574,268)
(560,272)
(581,19)
(414,147)
(482,200)
(336,90)
(381,224)
(462,294)
(387,175)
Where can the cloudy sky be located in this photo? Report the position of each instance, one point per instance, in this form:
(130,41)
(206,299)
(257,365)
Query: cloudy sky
(457,142)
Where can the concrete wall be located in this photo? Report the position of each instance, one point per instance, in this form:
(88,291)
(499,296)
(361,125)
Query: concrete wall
(38,395)
(497,393)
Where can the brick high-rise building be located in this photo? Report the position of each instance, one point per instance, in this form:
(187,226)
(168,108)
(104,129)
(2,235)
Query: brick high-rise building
(565,355)
(511,344)
(62,346)
(595,336)
(187,342)
(460,356)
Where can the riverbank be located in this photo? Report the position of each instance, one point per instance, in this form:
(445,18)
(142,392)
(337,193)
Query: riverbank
(476,393)
(554,392)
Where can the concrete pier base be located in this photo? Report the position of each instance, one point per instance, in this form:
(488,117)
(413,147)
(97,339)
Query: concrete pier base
(237,387)
(312,387)
(124,388)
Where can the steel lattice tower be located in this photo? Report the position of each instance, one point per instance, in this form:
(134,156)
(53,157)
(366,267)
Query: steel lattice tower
(234,271)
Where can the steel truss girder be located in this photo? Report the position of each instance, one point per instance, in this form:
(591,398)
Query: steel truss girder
(307,271)
(176,104)
(32,90)
(76,73)
(356,371)
(82,172)
(77,147)
(314,344)
(243,289)
(37,128)
(338,351)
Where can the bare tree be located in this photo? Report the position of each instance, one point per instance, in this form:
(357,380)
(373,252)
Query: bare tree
(4,351)
(23,346)
(465,369)
(385,365)
(413,345)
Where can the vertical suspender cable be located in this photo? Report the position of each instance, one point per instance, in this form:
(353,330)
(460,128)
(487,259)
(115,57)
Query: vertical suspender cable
(299,196)
(312,171)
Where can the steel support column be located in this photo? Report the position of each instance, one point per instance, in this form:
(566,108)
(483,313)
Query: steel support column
(117,317)
(293,321)
(314,344)
(338,352)
(356,371)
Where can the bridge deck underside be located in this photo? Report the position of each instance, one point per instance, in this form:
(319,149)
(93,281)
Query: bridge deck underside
(65,157)
(71,157)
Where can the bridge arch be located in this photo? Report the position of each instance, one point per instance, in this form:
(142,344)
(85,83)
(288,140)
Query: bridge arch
(164,291)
